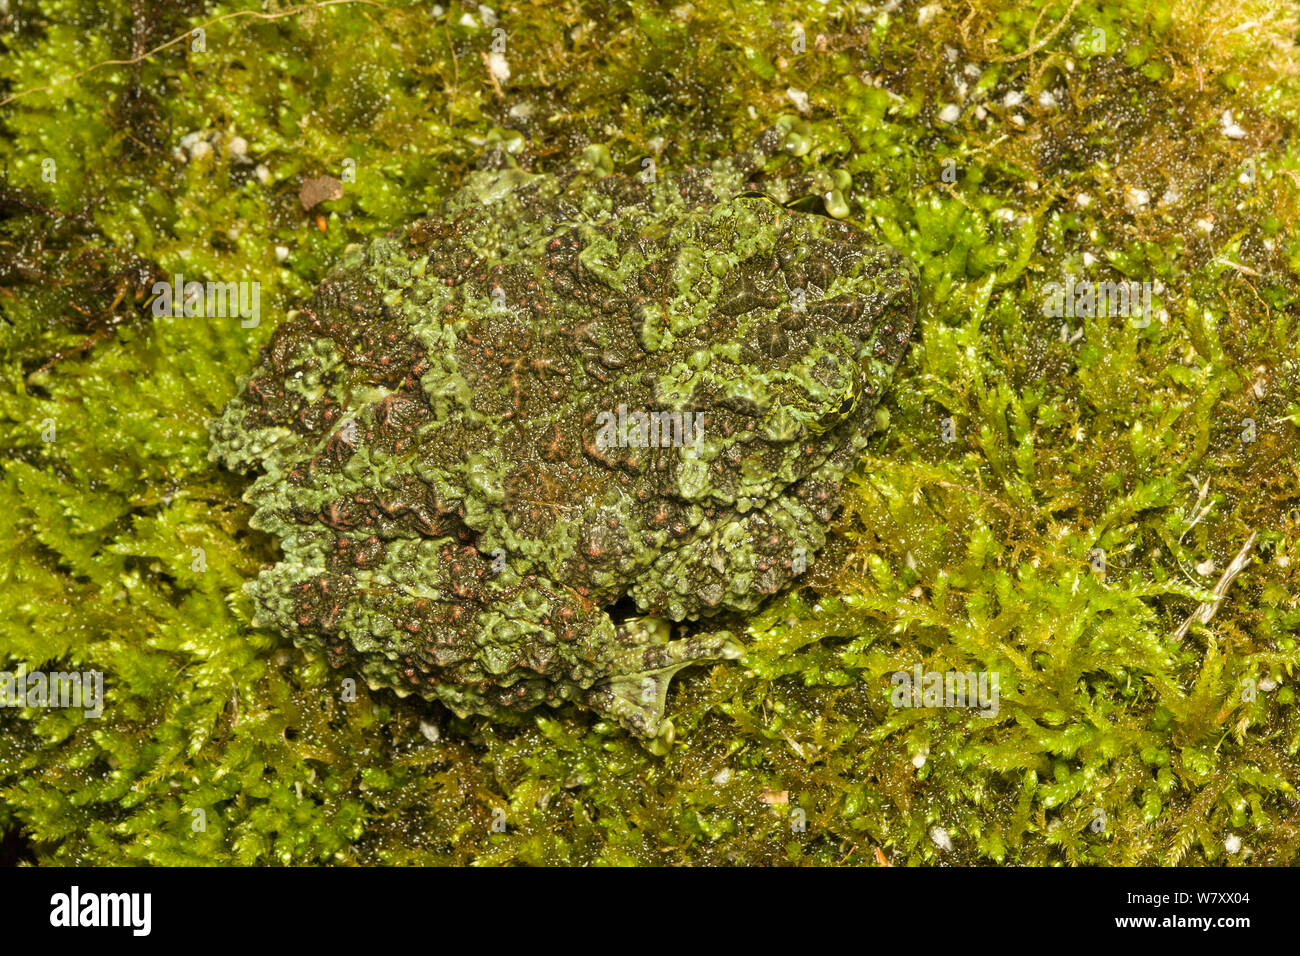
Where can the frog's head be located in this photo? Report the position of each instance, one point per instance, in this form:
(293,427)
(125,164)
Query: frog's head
(833,347)
(821,321)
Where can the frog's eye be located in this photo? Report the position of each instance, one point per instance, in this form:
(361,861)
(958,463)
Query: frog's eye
(834,414)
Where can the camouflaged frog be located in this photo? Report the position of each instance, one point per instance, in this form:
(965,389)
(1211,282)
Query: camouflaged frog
(561,392)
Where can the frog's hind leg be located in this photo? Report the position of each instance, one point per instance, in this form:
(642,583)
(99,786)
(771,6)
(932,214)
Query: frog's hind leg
(636,694)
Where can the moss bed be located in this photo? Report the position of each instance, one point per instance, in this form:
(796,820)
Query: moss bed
(1053,499)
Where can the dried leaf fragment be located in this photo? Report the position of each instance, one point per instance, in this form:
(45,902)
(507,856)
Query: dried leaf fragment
(319,190)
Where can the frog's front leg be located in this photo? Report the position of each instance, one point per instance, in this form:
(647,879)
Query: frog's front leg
(514,642)
(635,693)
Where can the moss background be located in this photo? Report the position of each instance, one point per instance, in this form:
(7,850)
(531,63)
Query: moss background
(1152,140)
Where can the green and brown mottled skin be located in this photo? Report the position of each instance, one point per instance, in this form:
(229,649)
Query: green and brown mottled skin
(427,427)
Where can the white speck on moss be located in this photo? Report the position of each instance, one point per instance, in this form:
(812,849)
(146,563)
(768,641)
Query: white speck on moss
(1230,127)
(939,837)
(1135,198)
(950,113)
(499,67)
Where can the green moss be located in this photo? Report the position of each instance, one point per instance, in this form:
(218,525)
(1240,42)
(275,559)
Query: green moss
(1114,742)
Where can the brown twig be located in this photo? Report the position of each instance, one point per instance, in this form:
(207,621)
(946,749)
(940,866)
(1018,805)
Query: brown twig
(487,64)
(1205,612)
(1035,47)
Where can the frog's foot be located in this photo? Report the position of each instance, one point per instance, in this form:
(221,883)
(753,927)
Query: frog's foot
(636,694)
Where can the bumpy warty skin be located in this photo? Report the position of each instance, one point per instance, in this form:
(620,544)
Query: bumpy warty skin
(432,430)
